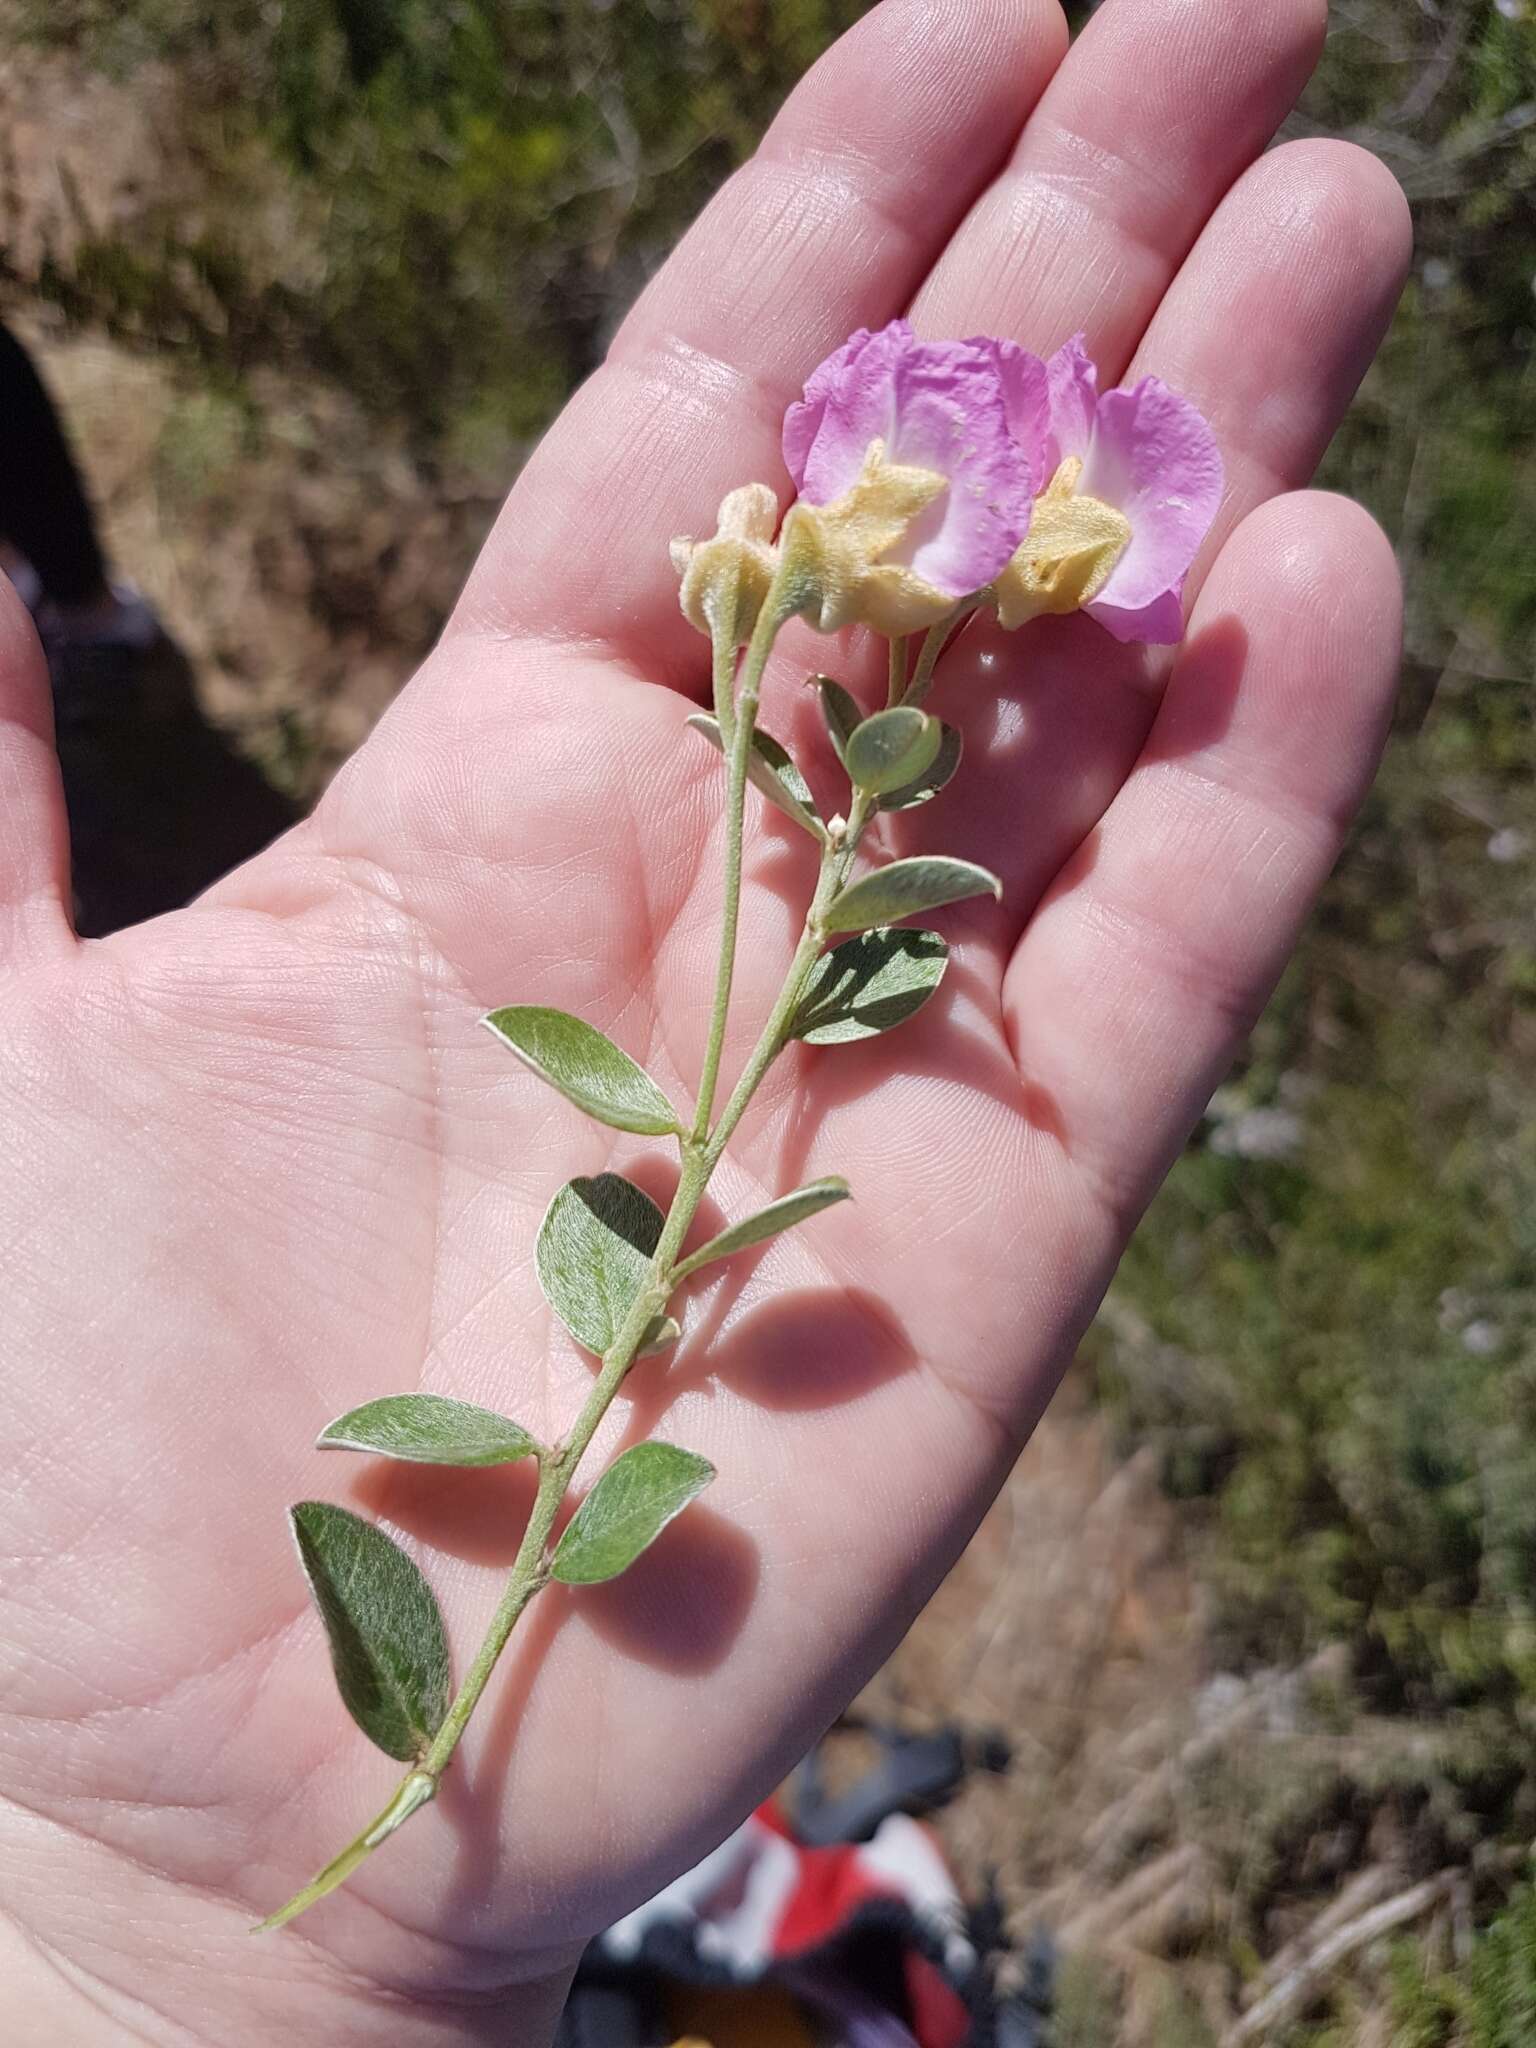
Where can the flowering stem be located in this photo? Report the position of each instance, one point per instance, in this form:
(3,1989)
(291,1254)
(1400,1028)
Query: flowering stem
(836,864)
(897,681)
(558,1463)
(939,637)
(778,606)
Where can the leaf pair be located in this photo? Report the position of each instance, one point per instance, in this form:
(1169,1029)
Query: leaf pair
(599,1238)
(389,1649)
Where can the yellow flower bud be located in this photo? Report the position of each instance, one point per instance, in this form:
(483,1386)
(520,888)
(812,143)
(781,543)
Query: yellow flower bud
(840,545)
(1068,555)
(724,580)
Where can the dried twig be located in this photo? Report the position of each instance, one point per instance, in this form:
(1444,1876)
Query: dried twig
(1300,1983)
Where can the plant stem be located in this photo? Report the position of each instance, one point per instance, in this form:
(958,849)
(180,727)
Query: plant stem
(896,683)
(836,863)
(777,607)
(938,639)
(701,1154)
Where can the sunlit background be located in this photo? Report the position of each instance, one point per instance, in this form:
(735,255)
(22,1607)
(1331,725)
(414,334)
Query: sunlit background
(1259,1611)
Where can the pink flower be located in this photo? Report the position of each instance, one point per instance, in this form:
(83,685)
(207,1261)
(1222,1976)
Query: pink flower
(917,464)
(1136,482)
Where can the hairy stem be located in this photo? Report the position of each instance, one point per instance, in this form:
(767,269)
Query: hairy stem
(939,637)
(896,681)
(836,864)
(701,1153)
(777,607)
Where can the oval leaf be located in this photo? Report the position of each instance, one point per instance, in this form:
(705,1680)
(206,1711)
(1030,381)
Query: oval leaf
(892,749)
(842,714)
(906,887)
(428,1429)
(770,771)
(388,1649)
(627,1510)
(780,1215)
(941,771)
(594,1255)
(870,984)
(587,1068)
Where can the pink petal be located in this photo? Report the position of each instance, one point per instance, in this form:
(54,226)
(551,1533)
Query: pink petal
(1159,624)
(1027,402)
(1155,459)
(972,411)
(950,416)
(1073,383)
(823,448)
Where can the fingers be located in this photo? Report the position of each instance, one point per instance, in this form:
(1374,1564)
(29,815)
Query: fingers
(1275,318)
(1268,328)
(833,224)
(1163,937)
(34,837)
(1161,104)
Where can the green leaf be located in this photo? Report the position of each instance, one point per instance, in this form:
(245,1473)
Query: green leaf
(587,1068)
(428,1429)
(771,771)
(594,1255)
(892,749)
(388,1648)
(870,984)
(927,785)
(842,714)
(627,1510)
(780,1215)
(906,887)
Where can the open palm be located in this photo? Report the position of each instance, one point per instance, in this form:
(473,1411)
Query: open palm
(261,1166)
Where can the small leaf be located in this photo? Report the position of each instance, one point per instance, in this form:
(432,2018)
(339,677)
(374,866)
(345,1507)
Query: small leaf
(627,1510)
(594,1255)
(892,749)
(842,714)
(870,984)
(661,1336)
(927,785)
(427,1429)
(770,771)
(587,1068)
(906,887)
(783,1214)
(388,1648)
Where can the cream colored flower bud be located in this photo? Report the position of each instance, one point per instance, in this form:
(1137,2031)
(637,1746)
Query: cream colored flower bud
(1068,555)
(725,579)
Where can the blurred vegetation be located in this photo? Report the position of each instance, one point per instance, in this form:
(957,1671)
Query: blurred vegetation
(1328,1323)
(1341,1279)
(1488,2002)
(469,194)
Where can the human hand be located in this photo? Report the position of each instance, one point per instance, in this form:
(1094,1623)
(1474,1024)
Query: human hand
(263,1167)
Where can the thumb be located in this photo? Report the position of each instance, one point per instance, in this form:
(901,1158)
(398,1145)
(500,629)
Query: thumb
(34,833)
